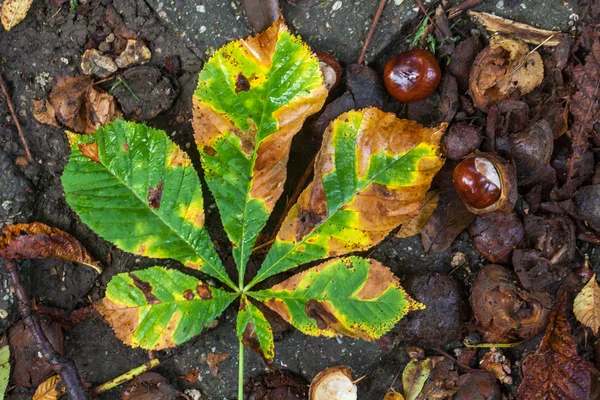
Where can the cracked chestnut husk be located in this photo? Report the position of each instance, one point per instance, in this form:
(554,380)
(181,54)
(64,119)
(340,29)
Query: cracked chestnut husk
(496,235)
(504,311)
(332,72)
(333,383)
(486,183)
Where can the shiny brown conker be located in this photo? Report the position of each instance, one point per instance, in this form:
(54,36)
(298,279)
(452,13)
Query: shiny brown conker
(412,76)
(477,182)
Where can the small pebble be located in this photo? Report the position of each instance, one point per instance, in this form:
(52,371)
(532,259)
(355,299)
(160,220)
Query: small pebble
(336,6)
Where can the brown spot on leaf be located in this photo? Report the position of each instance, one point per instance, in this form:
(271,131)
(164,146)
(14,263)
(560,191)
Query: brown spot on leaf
(155,195)
(242,84)
(203,291)
(250,340)
(188,295)
(90,151)
(210,151)
(146,289)
(316,310)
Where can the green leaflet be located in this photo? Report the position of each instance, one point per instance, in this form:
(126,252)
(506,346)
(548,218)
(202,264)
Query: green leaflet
(158,308)
(252,97)
(371,175)
(352,296)
(134,187)
(4,369)
(255,332)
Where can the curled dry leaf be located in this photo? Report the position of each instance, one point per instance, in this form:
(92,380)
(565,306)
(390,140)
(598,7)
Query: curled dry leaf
(502,68)
(333,383)
(93,62)
(414,225)
(587,305)
(51,389)
(37,240)
(555,370)
(213,360)
(80,106)
(13,12)
(43,112)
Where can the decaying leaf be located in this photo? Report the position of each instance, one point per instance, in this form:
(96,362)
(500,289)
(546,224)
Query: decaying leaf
(280,384)
(503,67)
(160,211)
(94,62)
(4,366)
(442,380)
(587,305)
(81,106)
(213,360)
(340,297)
(177,307)
(13,12)
(555,371)
(414,376)
(495,362)
(51,389)
(415,225)
(43,112)
(255,332)
(371,175)
(393,396)
(246,113)
(37,240)
(136,53)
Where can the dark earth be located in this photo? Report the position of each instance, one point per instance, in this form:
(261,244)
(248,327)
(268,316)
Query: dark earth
(181,35)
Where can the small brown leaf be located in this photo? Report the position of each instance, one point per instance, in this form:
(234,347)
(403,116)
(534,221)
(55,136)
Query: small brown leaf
(51,389)
(555,371)
(43,112)
(414,225)
(213,360)
(13,12)
(93,62)
(587,305)
(192,376)
(37,240)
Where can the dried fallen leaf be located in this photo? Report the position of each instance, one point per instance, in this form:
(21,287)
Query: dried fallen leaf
(13,12)
(496,363)
(414,225)
(43,112)
(213,360)
(135,53)
(586,306)
(93,62)
(414,376)
(555,371)
(192,375)
(503,67)
(37,240)
(51,389)
(393,396)
(80,106)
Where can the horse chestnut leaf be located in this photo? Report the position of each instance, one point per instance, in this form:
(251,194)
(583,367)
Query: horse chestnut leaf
(412,76)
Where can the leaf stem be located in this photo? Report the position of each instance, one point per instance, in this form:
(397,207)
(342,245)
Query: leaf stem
(241,371)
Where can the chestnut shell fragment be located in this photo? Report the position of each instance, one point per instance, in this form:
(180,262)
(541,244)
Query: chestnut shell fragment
(504,311)
(496,235)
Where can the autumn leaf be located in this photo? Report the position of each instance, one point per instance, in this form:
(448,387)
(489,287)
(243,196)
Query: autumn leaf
(37,240)
(156,308)
(137,189)
(393,396)
(252,97)
(586,306)
(255,332)
(415,224)
(555,371)
(43,112)
(414,376)
(351,296)
(50,389)
(13,12)
(371,175)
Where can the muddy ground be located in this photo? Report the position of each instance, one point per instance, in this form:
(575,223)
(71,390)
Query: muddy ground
(49,44)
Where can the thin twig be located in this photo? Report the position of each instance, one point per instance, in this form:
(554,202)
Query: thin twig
(371,31)
(424,11)
(454,360)
(462,7)
(14,117)
(68,374)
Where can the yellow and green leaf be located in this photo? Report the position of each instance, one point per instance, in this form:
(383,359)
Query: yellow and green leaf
(4,367)
(137,189)
(351,296)
(371,175)
(252,97)
(255,332)
(158,308)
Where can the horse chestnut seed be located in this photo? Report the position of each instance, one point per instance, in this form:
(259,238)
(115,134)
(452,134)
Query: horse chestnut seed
(477,182)
(412,76)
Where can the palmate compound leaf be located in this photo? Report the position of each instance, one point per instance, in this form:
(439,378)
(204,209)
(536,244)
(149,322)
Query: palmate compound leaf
(351,296)
(158,308)
(134,187)
(252,97)
(255,332)
(371,175)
